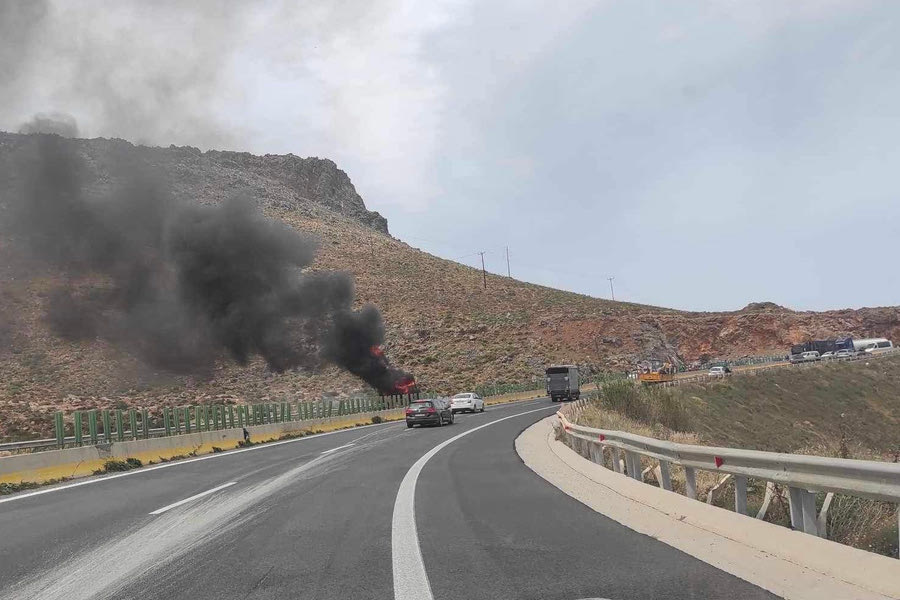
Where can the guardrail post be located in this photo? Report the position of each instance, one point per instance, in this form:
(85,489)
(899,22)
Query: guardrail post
(177,416)
(808,501)
(166,423)
(796,505)
(240,412)
(690,483)
(145,422)
(635,466)
(740,494)
(60,429)
(132,420)
(592,453)
(288,413)
(107,434)
(618,464)
(665,478)
(79,426)
(230,416)
(120,425)
(92,425)
(187,419)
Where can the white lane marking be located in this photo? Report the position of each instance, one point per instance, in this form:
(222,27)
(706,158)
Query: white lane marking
(410,578)
(188,461)
(338,448)
(160,511)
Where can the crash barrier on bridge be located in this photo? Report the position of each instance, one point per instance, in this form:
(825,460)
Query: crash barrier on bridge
(740,362)
(81,461)
(803,475)
(104,426)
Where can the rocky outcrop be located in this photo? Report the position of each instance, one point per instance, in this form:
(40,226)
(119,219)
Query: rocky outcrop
(286,182)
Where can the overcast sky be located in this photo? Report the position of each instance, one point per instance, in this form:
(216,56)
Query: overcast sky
(705,154)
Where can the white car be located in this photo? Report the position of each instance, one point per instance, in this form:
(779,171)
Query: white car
(843,353)
(719,371)
(827,355)
(467,401)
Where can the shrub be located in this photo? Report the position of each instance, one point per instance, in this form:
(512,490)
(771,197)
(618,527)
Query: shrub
(648,405)
(376,419)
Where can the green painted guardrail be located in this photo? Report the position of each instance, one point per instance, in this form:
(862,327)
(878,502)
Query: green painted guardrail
(108,425)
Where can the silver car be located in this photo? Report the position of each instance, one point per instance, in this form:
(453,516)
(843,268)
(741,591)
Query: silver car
(467,401)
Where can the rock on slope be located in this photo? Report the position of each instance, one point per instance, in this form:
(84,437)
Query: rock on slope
(442,325)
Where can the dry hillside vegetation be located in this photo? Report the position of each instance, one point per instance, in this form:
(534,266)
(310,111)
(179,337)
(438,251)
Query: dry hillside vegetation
(848,410)
(441,324)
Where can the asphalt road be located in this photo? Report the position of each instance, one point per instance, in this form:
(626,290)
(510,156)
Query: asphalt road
(375,512)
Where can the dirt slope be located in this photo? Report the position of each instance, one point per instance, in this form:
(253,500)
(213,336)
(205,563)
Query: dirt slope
(442,325)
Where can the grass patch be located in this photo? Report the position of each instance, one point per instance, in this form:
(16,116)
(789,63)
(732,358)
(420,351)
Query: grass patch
(115,465)
(647,405)
(13,488)
(847,410)
(177,457)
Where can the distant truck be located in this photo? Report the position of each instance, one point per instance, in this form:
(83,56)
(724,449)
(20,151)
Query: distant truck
(563,382)
(822,346)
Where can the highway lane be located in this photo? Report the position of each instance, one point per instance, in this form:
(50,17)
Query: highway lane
(489,527)
(313,519)
(77,537)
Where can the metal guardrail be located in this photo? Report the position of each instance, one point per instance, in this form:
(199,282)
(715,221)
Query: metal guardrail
(802,474)
(104,426)
(94,424)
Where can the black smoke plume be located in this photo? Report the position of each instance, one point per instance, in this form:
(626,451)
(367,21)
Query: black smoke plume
(55,122)
(182,285)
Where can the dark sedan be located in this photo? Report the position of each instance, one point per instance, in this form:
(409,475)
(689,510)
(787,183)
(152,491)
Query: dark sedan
(429,412)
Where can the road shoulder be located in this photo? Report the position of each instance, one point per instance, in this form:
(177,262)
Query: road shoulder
(788,563)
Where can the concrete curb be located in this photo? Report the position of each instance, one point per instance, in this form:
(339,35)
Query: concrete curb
(788,563)
(40,467)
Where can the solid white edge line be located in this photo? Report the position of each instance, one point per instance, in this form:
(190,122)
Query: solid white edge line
(336,449)
(199,458)
(410,578)
(160,511)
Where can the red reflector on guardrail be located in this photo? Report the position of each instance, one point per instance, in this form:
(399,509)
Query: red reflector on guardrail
(602,437)
(719,461)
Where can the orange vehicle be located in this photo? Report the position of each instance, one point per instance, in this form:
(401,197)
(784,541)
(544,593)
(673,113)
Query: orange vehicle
(656,371)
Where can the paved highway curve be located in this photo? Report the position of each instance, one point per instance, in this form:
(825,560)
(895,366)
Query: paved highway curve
(317,518)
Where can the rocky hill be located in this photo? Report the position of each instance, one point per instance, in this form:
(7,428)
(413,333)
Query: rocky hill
(442,325)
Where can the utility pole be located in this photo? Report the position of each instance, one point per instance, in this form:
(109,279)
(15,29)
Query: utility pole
(507,263)
(483,273)
(611,291)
